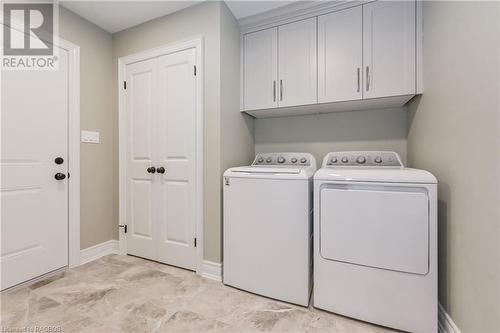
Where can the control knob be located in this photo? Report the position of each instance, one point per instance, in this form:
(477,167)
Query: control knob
(378,159)
(260,160)
(294,160)
(333,160)
(345,159)
(269,160)
(361,160)
(281,160)
(303,160)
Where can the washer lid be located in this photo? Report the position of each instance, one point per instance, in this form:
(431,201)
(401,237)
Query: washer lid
(367,174)
(267,170)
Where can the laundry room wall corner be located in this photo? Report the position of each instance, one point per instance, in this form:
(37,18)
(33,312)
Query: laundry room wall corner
(237,128)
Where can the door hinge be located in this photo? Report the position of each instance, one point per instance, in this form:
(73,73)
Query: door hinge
(195,243)
(69,175)
(124,226)
(124,84)
(195,70)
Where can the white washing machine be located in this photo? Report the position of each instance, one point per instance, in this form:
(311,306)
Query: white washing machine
(267,233)
(375,240)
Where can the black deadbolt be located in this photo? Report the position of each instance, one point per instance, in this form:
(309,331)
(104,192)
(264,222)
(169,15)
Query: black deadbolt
(160,170)
(59,160)
(59,176)
(151,169)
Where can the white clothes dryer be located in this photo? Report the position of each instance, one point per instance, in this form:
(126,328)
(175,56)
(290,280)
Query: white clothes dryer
(375,240)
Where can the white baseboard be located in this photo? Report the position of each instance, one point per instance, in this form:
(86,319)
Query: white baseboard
(95,252)
(212,270)
(445,323)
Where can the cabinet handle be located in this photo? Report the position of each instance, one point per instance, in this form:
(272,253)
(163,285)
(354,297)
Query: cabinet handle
(274,91)
(359,81)
(281,90)
(367,78)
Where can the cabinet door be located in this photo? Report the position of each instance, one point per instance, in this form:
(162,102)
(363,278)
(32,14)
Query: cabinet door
(389,48)
(297,69)
(340,42)
(260,69)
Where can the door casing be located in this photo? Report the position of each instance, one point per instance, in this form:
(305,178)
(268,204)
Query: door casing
(197,44)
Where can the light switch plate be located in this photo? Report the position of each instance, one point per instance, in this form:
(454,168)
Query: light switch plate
(90,137)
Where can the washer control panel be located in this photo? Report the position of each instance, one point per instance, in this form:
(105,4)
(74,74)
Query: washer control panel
(288,159)
(363,159)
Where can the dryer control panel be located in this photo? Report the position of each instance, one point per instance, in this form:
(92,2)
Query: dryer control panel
(288,159)
(362,159)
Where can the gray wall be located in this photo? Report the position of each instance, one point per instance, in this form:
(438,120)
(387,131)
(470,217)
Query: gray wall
(99,196)
(454,133)
(237,129)
(237,141)
(320,134)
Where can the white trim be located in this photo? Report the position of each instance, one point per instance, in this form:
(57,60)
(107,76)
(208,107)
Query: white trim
(197,43)
(100,250)
(212,270)
(296,11)
(74,151)
(419,41)
(445,323)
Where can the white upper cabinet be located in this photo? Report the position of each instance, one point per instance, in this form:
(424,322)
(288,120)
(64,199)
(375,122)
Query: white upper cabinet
(341,56)
(260,57)
(297,72)
(340,48)
(389,48)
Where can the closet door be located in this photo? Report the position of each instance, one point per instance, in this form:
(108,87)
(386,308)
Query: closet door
(389,48)
(260,58)
(142,140)
(176,142)
(340,49)
(297,70)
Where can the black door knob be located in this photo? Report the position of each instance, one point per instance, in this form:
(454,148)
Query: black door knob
(151,169)
(59,176)
(161,170)
(59,160)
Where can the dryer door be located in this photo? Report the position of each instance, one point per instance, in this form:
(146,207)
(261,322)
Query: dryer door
(381,227)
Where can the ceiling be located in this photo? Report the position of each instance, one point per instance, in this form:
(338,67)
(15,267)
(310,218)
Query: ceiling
(114,16)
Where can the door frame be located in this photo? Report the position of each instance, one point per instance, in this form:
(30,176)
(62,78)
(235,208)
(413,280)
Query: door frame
(73,130)
(73,151)
(197,44)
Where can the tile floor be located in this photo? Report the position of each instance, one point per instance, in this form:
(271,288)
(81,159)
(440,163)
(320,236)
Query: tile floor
(129,294)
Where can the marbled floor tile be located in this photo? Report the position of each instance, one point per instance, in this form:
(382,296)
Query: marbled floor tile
(188,321)
(130,294)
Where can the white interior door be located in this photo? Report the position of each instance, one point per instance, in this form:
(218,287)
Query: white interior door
(34,205)
(176,142)
(389,48)
(297,71)
(340,49)
(161,127)
(260,57)
(140,196)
